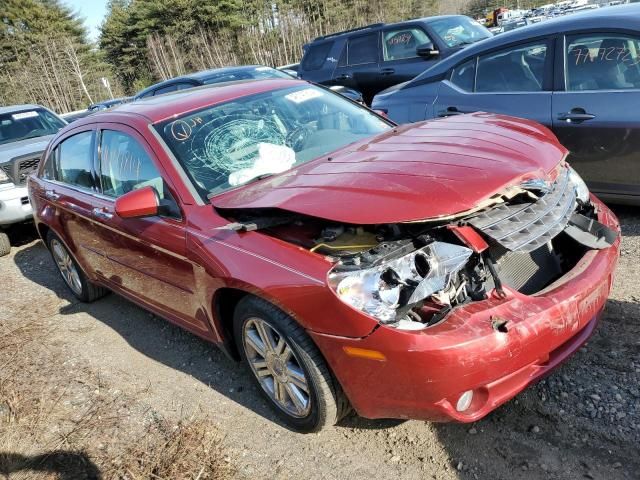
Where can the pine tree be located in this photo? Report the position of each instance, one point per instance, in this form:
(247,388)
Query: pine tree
(45,56)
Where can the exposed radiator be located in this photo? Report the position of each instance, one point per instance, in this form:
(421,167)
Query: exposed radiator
(527,272)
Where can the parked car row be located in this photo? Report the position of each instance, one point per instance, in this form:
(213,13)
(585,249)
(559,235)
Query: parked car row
(430,270)
(95,107)
(372,58)
(576,75)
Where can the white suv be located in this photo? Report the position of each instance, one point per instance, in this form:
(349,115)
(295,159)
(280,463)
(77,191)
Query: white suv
(25,131)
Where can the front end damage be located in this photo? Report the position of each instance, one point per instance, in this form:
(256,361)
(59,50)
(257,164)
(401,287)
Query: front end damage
(411,275)
(472,308)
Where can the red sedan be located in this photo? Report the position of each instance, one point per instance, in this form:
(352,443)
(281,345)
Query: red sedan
(429,271)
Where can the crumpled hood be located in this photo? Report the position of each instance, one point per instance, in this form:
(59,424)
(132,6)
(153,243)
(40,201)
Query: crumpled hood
(415,172)
(9,151)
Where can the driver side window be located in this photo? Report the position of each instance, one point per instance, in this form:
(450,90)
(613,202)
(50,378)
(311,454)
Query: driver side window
(401,43)
(126,166)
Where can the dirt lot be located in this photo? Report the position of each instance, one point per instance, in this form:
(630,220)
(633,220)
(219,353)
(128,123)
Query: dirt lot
(112,381)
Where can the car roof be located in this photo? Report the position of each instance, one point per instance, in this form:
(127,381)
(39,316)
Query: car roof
(157,109)
(198,76)
(18,108)
(374,26)
(111,101)
(616,17)
(204,74)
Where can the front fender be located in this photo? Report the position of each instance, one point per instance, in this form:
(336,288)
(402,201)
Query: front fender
(290,277)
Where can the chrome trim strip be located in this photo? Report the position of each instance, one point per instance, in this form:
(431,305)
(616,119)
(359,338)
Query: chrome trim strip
(265,259)
(120,232)
(527,226)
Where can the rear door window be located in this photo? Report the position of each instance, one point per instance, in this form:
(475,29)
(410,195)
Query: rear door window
(602,62)
(516,69)
(75,160)
(401,43)
(316,56)
(363,49)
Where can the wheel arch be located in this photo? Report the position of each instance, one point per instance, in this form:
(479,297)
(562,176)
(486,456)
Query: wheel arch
(43,230)
(224,303)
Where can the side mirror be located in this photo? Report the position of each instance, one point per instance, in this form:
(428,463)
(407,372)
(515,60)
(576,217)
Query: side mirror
(144,202)
(427,50)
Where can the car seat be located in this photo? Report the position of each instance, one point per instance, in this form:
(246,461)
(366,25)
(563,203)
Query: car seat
(609,73)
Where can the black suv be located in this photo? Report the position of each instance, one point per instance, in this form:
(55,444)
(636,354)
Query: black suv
(378,56)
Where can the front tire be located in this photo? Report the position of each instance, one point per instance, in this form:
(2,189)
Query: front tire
(5,245)
(288,367)
(71,273)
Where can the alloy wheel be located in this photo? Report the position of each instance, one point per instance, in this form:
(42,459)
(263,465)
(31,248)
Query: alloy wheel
(66,266)
(276,367)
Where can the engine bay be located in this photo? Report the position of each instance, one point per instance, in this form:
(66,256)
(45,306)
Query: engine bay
(410,275)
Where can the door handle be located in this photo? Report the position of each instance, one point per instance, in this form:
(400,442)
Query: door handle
(387,71)
(449,112)
(102,213)
(575,115)
(344,76)
(51,195)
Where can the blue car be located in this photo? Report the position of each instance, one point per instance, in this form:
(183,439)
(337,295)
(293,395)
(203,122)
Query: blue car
(209,77)
(579,75)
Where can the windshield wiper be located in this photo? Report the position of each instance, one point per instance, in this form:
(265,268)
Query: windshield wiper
(261,177)
(253,179)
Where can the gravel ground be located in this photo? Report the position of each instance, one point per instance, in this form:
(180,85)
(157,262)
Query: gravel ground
(583,421)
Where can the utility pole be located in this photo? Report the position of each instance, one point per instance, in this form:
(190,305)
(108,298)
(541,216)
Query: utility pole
(107,85)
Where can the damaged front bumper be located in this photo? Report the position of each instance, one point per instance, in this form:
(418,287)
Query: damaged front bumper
(493,348)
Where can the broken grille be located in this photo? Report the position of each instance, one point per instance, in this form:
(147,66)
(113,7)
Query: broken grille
(527,226)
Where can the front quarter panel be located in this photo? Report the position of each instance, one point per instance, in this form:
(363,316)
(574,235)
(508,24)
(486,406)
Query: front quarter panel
(286,275)
(409,104)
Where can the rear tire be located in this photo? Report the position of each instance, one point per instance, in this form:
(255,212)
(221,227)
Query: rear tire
(5,245)
(71,273)
(291,372)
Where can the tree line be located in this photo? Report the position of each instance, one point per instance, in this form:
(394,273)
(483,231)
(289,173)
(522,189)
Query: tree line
(47,58)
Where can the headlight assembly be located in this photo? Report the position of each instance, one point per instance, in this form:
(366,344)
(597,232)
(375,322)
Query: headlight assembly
(380,290)
(582,191)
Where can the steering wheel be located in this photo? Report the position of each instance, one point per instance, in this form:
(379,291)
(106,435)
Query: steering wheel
(298,137)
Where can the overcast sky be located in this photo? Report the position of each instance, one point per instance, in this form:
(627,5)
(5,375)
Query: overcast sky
(91,11)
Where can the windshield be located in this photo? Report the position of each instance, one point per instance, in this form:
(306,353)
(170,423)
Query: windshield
(246,74)
(30,123)
(459,30)
(233,143)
